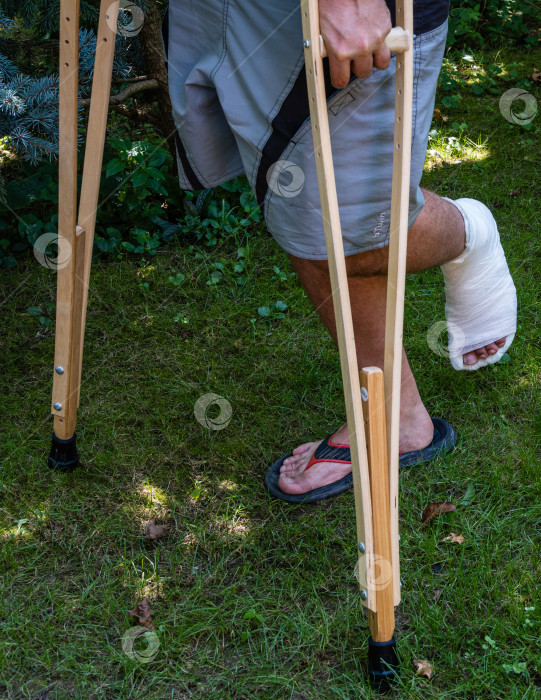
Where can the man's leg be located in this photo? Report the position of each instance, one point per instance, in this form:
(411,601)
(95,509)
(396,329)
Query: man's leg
(437,237)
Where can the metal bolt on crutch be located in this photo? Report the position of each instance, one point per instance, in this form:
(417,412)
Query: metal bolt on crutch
(76,233)
(373,398)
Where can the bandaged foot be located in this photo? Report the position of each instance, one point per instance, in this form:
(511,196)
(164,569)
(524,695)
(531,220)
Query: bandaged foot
(481,300)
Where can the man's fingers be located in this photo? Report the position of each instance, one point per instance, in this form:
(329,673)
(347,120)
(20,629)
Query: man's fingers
(382,58)
(340,72)
(354,32)
(362,66)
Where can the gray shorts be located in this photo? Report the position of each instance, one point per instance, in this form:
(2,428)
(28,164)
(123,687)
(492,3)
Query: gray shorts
(238,91)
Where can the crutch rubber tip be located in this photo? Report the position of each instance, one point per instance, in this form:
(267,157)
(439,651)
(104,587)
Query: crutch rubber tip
(382,664)
(63,456)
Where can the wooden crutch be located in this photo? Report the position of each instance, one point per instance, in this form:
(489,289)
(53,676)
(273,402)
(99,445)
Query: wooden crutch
(76,236)
(374,450)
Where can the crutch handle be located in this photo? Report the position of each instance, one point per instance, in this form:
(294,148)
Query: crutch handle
(397,40)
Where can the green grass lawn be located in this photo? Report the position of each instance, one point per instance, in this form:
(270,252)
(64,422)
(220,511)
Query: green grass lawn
(252,598)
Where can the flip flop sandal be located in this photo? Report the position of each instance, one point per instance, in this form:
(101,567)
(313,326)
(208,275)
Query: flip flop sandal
(443,441)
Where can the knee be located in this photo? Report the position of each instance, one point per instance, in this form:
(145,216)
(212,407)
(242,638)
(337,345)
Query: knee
(372,263)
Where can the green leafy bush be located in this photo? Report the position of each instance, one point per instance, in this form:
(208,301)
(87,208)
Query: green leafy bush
(141,206)
(476,22)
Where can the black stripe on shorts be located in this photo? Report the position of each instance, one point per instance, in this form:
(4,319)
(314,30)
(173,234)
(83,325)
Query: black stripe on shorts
(293,113)
(428,14)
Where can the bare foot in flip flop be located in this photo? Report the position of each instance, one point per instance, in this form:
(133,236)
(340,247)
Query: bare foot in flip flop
(322,469)
(301,472)
(298,476)
(305,470)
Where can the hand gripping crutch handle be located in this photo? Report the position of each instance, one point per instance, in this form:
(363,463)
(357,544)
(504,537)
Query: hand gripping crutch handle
(397,41)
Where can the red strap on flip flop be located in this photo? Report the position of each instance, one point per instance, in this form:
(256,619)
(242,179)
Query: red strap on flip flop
(327,443)
(313,461)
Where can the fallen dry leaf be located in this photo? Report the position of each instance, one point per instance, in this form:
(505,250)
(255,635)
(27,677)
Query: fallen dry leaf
(438,115)
(155,532)
(434,509)
(536,75)
(453,537)
(142,612)
(423,668)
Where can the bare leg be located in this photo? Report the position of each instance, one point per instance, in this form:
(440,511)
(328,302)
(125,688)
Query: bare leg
(437,237)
